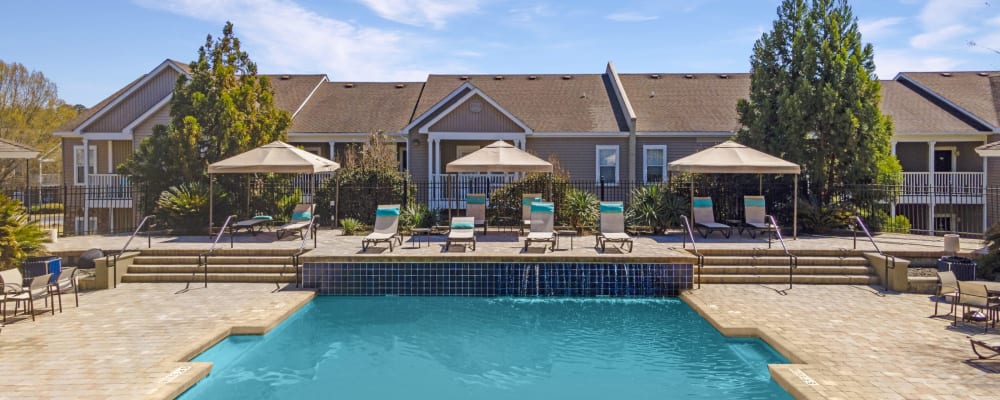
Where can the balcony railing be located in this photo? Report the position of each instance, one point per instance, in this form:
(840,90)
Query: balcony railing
(109,187)
(943,187)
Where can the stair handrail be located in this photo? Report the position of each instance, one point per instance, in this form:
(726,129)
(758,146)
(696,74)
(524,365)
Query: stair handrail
(694,246)
(203,257)
(111,259)
(300,251)
(793,260)
(889,260)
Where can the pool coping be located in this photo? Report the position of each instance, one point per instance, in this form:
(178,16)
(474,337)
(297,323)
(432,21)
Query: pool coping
(791,378)
(188,373)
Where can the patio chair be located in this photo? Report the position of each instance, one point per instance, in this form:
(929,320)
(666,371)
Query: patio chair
(253,225)
(704,218)
(526,200)
(13,281)
(613,226)
(65,283)
(302,214)
(475,207)
(542,216)
(948,288)
(755,216)
(386,227)
(972,294)
(37,288)
(463,230)
(986,343)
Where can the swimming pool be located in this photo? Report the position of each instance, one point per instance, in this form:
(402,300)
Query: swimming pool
(490,348)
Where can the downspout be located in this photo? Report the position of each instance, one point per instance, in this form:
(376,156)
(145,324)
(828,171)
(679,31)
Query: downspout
(630,118)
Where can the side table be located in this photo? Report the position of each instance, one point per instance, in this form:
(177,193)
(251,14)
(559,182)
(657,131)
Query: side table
(416,233)
(566,232)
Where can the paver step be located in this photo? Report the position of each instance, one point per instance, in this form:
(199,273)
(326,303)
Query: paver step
(783,270)
(778,279)
(235,278)
(777,251)
(776,260)
(212,268)
(220,252)
(193,260)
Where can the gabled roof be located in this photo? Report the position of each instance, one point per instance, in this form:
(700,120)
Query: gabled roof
(545,103)
(9,150)
(686,102)
(343,107)
(292,91)
(913,111)
(971,91)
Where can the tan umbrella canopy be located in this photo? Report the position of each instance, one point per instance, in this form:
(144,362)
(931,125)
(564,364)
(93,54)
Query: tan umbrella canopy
(276,157)
(730,157)
(499,156)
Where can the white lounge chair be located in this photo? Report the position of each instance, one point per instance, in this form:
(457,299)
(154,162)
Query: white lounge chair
(755,216)
(386,227)
(542,218)
(463,230)
(302,214)
(613,226)
(704,218)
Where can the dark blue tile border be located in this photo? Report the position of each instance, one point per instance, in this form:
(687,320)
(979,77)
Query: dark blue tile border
(497,279)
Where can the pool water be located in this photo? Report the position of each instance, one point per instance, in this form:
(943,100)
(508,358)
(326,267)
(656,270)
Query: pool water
(490,348)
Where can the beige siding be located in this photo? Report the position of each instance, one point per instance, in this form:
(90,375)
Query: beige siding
(912,156)
(465,119)
(121,152)
(418,157)
(578,156)
(437,112)
(968,160)
(137,103)
(145,128)
(67,163)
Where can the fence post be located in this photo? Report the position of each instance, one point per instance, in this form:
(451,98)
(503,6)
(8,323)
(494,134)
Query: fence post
(602,188)
(406,192)
(336,204)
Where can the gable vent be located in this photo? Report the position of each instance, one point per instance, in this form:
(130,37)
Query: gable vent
(348,85)
(400,85)
(567,77)
(655,76)
(723,76)
(946,74)
(498,77)
(285,77)
(463,78)
(532,77)
(688,76)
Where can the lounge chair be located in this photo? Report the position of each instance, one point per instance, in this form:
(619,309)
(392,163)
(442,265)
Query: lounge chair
(386,227)
(37,288)
(704,218)
(475,207)
(65,283)
(613,226)
(755,216)
(542,216)
(253,225)
(526,200)
(972,294)
(463,230)
(989,343)
(302,214)
(947,287)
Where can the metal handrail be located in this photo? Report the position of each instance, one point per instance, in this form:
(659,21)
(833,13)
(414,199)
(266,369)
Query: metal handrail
(114,256)
(694,246)
(793,260)
(890,260)
(301,250)
(203,257)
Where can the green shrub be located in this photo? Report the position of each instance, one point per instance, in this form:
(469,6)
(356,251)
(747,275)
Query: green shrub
(353,227)
(655,206)
(369,176)
(580,208)
(900,224)
(505,202)
(989,263)
(47,208)
(184,208)
(821,218)
(417,216)
(19,236)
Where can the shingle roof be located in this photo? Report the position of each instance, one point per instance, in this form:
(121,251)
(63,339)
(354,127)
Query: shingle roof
(912,112)
(547,103)
(969,90)
(290,91)
(360,108)
(686,102)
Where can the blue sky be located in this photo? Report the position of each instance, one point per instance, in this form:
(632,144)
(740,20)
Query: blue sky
(92,48)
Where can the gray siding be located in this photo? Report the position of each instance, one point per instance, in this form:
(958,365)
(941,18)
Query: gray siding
(912,156)
(677,148)
(67,151)
(145,128)
(578,156)
(487,119)
(137,103)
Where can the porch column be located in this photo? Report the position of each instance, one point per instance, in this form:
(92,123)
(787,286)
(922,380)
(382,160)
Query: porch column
(333,148)
(430,160)
(982,188)
(892,205)
(437,156)
(86,184)
(931,202)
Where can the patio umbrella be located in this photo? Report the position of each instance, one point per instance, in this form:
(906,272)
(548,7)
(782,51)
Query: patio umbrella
(499,156)
(275,157)
(730,157)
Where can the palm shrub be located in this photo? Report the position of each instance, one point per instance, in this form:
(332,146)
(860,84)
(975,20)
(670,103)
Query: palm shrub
(817,217)
(417,215)
(184,208)
(655,206)
(352,227)
(19,236)
(580,208)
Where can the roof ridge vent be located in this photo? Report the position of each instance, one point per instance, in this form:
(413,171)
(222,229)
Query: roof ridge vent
(498,77)
(567,77)
(348,85)
(688,76)
(946,74)
(654,76)
(400,85)
(723,76)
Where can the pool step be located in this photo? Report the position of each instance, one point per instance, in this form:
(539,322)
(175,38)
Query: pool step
(783,260)
(797,279)
(227,265)
(770,266)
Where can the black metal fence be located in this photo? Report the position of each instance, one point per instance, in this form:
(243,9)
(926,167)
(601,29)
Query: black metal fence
(75,210)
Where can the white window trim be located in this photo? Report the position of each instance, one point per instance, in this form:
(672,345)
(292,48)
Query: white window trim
(645,167)
(93,161)
(597,162)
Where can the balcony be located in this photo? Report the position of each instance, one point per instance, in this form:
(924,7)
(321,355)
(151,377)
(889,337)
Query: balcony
(943,188)
(109,191)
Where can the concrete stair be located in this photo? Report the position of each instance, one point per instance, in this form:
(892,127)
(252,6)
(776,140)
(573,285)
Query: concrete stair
(226,265)
(770,266)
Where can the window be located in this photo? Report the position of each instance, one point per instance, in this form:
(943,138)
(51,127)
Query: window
(607,164)
(654,163)
(78,163)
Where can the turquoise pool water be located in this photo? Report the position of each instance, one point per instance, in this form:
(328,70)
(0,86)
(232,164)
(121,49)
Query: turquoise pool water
(490,348)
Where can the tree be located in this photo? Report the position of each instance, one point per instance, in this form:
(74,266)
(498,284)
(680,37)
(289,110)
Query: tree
(221,109)
(814,98)
(30,109)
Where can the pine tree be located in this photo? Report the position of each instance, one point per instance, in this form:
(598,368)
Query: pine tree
(221,109)
(814,98)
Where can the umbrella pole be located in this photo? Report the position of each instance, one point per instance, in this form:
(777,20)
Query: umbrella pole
(795,211)
(692,198)
(760,184)
(210,205)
